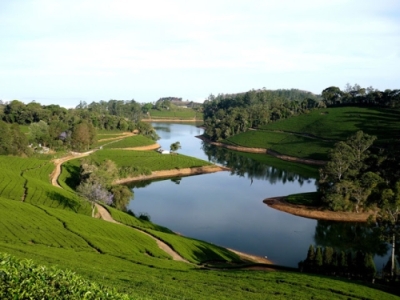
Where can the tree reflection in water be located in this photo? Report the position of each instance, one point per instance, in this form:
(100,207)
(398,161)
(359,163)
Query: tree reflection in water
(260,166)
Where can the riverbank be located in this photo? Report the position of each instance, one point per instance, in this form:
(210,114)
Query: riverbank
(317,213)
(264,151)
(173,173)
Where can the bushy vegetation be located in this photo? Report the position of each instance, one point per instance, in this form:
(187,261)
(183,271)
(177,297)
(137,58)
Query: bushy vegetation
(22,279)
(148,159)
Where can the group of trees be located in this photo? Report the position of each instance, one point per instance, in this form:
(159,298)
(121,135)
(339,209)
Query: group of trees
(339,263)
(230,114)
(356,95)
(96,184)
(60,128)
(356,179)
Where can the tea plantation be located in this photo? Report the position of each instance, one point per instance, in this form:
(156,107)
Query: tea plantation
(312,135)
(53,227)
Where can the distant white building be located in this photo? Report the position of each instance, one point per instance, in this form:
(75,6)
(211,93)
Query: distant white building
(163,151)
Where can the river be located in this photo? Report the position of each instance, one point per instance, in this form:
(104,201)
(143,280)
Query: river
(227,209)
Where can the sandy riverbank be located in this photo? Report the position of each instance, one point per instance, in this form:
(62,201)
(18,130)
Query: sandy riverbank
(265,151)
(279,203)
(174,173)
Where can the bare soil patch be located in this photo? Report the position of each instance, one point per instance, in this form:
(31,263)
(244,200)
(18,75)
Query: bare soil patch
(279,203)
(141,148)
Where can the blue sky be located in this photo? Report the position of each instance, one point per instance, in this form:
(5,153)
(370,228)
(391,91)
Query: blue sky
(65,51)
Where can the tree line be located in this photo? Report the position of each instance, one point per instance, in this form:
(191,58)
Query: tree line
(229,114)
(357,95)
(60,128)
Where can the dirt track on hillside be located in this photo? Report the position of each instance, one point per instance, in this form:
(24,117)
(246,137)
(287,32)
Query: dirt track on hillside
(141,148)
(279,203)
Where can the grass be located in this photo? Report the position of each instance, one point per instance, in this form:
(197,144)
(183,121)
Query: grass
(130,142)
(308,199)
(289,144)
(333,124)
(338,123)
(120,257)
(28,180)
(52,227)
(148,159)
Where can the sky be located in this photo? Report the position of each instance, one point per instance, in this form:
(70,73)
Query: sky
(67,51)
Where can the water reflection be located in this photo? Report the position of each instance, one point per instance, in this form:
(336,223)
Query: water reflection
(350,236)
(226,208)
(247,165)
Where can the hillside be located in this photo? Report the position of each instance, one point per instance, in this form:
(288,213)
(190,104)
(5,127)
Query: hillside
(53,227)
(312,135)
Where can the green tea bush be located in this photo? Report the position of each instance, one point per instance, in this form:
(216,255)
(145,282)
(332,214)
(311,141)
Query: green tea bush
(130,142)
(22,279)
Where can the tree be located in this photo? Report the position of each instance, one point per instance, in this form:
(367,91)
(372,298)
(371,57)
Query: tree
(95,192)
(175,146)
(122,196)
(388,217)
(39,133)
(83,136)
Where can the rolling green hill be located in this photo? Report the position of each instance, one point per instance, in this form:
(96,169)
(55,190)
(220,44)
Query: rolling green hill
(312,135)
(53,231)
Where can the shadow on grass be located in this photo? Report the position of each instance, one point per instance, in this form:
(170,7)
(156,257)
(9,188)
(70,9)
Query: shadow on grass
(74,173)
(64,202)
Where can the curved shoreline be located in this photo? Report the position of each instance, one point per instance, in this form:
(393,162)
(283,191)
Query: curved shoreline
(264,151)
(316,213)
(173,173)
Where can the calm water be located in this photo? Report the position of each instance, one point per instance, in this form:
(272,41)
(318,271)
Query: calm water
(227,209)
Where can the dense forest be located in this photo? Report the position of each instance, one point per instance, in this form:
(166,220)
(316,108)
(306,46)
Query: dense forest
(226,115)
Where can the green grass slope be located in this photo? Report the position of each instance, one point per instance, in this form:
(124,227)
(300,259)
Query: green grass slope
(340,122)
(120,257)
(28,180)
(284,143)
(130,142)
(312,135)
(148,159)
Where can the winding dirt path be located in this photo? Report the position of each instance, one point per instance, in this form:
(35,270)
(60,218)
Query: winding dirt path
(120,137)
(104,214)
(141,148)
(59,161)
(279,203)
